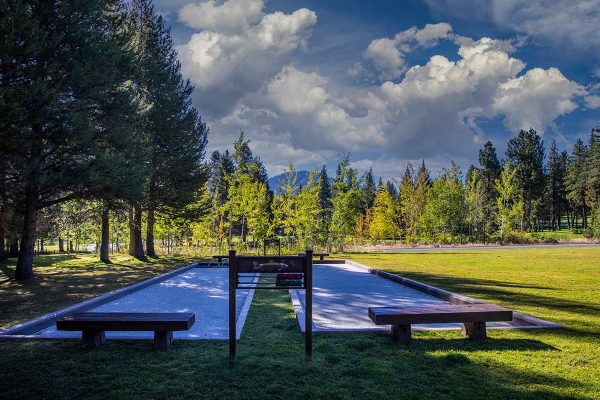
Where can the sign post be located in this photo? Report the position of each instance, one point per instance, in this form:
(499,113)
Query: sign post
(277,272)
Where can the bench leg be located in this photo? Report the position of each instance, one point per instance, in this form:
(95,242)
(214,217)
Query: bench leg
(474,330)
(92,339)
(163,339)
(401,333)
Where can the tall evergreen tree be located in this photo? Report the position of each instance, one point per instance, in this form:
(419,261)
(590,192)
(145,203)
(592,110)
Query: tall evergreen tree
(555,185)
(52,102)
(175,133)
(593,164)
(576,179)
(242,155)
(405,199)
(525,154)
(368,188)
(324,194)
(488,174)
(391,188)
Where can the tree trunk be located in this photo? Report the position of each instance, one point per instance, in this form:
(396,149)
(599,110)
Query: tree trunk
(24,269)
(243,228)
(137,233)
(2,234)
(13,248)
(105,234)
(583,216)
(150,233)
(61,245)
(131,232)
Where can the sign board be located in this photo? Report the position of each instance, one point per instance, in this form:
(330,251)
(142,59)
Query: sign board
(270,272)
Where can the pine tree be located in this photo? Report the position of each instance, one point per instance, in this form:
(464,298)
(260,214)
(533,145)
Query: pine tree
(242,155)
(422,186)
(576,179)
(369,189)
(525,154)
(555,194)
(52,98)
(391,188)
(346,203)
(406,201)
(175,133)
(489,172)
(324,204)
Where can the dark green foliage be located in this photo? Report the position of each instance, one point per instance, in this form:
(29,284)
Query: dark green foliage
(324,194)
(576,179)
(423,176)
(526,154)
(63,111)
(369,189)
(391,188)
(488,173)
(175,135)
(555,194)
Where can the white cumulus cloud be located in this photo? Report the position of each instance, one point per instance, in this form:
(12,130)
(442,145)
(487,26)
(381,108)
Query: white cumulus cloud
(238,50)
(536,99)
(387,54)
(443,100)
(233,16)
(572,22)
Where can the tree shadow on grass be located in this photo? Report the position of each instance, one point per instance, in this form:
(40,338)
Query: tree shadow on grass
(492,289)
(50,290)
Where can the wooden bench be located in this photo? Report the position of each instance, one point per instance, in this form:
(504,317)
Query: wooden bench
(320,255)
(94,324)
(472,316)
(219,262)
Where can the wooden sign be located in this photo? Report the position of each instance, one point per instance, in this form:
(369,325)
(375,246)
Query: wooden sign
(270,272)
(271,264)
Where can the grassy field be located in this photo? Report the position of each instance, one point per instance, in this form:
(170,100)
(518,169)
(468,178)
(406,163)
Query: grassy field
(562,235)
(556,284)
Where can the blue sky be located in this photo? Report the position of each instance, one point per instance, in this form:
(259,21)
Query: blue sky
(389,81)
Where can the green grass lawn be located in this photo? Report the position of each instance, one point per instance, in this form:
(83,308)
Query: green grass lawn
(557,284)
(562,235)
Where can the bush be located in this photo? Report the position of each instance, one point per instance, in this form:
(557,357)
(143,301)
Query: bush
(518,237)
(548,239)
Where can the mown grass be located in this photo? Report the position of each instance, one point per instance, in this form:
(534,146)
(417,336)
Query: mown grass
(556,284)
(562,235)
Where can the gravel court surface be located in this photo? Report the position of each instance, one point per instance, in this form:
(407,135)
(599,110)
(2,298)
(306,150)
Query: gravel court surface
(343,293)
(203,291)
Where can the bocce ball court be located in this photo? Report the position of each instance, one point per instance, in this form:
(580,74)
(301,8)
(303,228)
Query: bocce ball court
(211,301)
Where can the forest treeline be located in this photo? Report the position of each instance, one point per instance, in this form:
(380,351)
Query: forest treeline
(100,145)
(495,201)
(93,109)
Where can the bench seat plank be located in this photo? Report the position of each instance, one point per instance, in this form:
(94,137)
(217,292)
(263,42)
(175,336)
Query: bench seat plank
(439,313)
(110,321)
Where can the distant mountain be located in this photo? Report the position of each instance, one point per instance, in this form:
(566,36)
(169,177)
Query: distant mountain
(279,180)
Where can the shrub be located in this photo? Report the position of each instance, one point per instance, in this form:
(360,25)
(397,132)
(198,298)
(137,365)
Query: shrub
(518,237)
